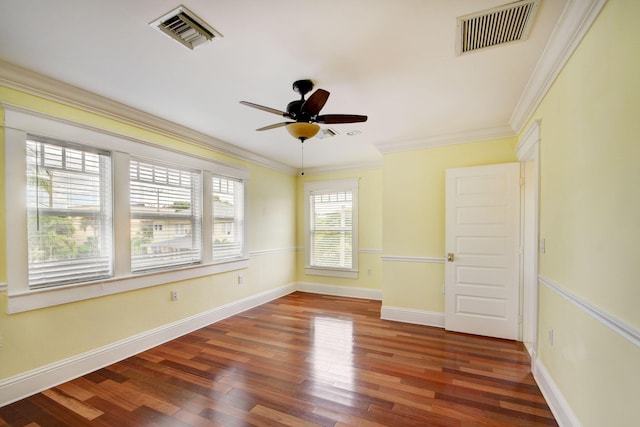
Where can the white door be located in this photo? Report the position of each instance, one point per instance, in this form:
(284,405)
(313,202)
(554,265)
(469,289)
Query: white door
(482,245)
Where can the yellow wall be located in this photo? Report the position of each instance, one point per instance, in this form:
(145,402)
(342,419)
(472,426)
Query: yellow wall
(590,219)
(413,217)
(369,229)
(36,338)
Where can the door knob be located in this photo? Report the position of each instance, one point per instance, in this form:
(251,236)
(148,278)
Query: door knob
(450,257)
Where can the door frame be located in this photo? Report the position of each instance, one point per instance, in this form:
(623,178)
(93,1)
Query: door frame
(528,150)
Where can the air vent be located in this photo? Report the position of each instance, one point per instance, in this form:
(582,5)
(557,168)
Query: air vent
(503,24)
(327,133)
(185,27)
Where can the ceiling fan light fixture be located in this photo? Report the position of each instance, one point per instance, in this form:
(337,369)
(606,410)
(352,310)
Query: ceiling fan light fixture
(302,130)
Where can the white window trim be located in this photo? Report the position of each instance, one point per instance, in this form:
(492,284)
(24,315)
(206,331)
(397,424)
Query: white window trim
(19,123)
(331,185)
(212,216)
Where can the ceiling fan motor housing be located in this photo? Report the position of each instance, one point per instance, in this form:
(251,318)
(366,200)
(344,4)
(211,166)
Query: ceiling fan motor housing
(293,108)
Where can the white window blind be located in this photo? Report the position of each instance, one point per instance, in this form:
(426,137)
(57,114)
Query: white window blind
(69,208)
(228,217)
(331,229)
(165,216)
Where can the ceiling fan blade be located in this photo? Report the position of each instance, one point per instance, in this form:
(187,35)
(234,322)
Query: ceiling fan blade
(315,102)
(275,125)
(340,118)
(263,108)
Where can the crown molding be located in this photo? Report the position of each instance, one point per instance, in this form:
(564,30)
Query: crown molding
(526,146)
(24,80)
(573,24)
(475,135)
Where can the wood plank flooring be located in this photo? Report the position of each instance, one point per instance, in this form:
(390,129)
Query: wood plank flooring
(303,360)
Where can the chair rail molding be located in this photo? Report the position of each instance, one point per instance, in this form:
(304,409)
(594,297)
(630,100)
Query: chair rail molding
(618,326)
(405,258)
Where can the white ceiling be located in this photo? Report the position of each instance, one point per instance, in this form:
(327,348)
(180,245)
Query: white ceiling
(393,60)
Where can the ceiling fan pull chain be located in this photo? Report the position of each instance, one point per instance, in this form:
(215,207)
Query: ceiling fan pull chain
(302,157)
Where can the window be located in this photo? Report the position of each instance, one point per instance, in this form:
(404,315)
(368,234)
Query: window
(228,217)
(69,213)
(331,228)
(165,201)
(87,216)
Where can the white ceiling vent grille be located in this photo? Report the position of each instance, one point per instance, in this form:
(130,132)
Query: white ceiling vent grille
(503,24)
(185,27)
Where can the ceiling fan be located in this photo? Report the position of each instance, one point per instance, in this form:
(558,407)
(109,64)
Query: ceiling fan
(304,114)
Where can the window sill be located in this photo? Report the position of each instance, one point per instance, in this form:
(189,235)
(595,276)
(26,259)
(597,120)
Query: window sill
(41,298)
(332,272)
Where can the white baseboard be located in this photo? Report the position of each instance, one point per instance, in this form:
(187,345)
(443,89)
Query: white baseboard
(340,291)
(31,382)
(531,351)
(407,315)
(556,401)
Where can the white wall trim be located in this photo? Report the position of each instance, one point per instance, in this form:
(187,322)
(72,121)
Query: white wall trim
(618,326)
(44,124)
(526,148)
(573,24)
(272,251)
(528,152)
(340,291)
(30,82)
(556,401)
(34,381)
(402,258)
(32,300)
(408,315)
(462,137)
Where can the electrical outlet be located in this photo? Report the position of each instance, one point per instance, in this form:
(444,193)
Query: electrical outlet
(550,336)
(240,279)
(543,245)
(174,295)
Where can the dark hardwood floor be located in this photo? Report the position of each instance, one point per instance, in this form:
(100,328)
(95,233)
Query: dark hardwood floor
(303,360)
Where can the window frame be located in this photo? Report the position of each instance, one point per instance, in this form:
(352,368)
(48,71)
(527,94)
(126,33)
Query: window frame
(194,218)
(104,182)
(238,225)
(20,123)
(337,185)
